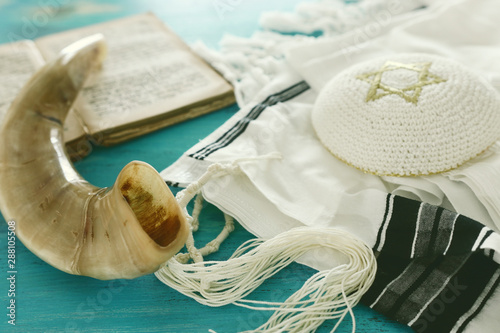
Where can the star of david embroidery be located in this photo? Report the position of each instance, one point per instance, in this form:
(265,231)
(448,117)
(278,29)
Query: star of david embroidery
(410,93)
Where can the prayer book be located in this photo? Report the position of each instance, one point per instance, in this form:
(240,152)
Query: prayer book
(150,79)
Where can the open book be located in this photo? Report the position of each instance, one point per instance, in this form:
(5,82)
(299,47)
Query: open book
(149,80)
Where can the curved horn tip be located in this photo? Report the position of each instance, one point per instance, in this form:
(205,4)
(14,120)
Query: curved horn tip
(82,57)
(94,45)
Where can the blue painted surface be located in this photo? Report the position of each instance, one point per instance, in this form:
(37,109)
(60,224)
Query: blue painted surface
(48,300)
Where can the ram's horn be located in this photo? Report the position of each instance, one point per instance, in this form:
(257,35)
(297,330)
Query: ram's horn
(124,231)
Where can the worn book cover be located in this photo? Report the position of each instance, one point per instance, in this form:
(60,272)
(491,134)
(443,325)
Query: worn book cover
(150,79)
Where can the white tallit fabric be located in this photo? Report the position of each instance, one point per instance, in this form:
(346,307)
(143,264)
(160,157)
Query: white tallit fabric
(274,183)
(460,30)
(251,63)
(301,183)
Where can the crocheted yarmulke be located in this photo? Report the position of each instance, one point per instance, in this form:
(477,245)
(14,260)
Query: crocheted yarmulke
(407,114)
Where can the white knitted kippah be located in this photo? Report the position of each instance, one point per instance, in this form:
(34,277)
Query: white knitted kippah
(407,114)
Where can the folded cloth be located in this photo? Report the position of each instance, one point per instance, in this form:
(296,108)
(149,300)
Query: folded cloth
(437,269)
(459,30)
(251,63)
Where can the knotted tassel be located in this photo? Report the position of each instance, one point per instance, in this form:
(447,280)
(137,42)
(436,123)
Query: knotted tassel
(328,294)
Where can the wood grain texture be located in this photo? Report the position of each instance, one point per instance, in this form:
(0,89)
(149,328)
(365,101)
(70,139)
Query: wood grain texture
(48,300)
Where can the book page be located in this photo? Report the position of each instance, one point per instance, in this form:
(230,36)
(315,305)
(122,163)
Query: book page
(148,72)
(18,62)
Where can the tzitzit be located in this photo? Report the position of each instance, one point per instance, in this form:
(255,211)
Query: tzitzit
(327,295)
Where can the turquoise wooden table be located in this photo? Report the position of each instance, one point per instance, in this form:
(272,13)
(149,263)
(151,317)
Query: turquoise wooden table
(48,300)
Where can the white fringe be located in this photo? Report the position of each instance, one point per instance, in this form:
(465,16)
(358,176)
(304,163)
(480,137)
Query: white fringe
(250,63)
(328,294)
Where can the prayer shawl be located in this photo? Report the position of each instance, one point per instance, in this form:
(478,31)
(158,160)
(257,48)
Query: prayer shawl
(435,237)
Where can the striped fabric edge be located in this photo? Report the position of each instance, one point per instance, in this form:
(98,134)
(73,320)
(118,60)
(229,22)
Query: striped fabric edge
(479,305)
(240,126)
(432,274)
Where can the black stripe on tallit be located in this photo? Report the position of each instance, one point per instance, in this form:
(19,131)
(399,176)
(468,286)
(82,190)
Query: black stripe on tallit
(240,126)
(408,288)
(480,306)
(384,220)
(458,296)
(396,251)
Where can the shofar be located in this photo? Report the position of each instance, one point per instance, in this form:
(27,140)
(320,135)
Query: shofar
(124,231)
